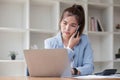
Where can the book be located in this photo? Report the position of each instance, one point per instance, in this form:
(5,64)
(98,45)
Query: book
(91,24)
(99,25)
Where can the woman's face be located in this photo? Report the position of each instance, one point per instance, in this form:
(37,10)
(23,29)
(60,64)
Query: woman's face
(68,26)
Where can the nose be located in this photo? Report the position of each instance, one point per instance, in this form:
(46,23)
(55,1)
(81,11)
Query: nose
(67,27)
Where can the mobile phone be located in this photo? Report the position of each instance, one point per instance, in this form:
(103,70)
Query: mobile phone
(78,29)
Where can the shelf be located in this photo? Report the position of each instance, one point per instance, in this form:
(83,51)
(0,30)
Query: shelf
(63,5)
(105,2)
(101,13)
(116,33)
(12,61)
(116,5)
(12,13)
(11,41)
(116,2)
(42,14)
(99,33)
(117,66)
(116,44)
(116,17)
(12,29)
(98,5)
(44,31)
(117,60)
(100,50)
(100,66)
(12,68)
(38,39)
(12,1)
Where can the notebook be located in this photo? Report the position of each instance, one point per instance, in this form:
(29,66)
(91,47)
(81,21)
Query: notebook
(48,63)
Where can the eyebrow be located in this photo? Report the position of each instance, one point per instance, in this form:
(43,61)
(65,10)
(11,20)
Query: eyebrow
(71,23)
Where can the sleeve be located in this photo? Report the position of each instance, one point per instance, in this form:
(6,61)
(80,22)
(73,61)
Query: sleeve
(47,44)
(70,54)
(88,66)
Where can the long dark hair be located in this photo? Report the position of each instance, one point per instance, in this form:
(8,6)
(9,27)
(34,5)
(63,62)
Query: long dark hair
(78,12)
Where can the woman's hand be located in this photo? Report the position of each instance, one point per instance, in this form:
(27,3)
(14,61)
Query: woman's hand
(73,41)
(73,72)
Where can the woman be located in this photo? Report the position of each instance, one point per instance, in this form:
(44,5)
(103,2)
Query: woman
(70,37)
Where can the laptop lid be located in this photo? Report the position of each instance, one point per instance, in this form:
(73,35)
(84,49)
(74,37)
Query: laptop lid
(48,62)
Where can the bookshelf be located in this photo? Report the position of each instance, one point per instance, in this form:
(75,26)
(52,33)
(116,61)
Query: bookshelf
(25,24)
(14,67)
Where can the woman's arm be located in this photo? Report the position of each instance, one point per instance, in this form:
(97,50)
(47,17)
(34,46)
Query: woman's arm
(87,66)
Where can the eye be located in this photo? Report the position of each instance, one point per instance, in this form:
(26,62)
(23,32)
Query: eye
(73,25)
(65,23)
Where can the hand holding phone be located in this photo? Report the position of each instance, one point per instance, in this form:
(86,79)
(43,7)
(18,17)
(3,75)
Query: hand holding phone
(74,40)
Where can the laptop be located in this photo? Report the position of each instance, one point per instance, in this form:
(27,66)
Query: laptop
(48,62)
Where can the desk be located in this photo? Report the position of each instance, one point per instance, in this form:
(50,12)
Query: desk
(48,78)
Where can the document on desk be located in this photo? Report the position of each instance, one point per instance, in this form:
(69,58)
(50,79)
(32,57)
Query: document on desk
(97,76)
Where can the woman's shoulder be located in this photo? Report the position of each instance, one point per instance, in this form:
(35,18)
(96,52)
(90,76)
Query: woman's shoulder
(53,39)
(84,36)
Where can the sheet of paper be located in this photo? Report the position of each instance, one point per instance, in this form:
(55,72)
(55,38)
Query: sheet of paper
(97,76)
